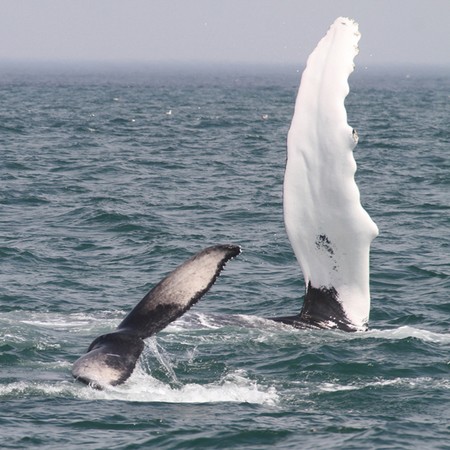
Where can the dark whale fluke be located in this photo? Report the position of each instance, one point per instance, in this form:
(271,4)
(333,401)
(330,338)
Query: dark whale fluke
(112,357)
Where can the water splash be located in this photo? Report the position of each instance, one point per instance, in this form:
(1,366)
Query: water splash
(235,387)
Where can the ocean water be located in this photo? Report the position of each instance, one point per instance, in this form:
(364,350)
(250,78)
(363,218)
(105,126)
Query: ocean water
(111,178)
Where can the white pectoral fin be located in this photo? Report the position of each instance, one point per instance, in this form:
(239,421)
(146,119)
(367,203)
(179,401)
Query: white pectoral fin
(328,228)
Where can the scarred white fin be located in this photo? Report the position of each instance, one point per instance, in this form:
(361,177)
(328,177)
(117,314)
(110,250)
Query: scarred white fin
(328,228)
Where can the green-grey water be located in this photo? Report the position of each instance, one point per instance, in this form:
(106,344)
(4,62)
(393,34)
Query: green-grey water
(111,178)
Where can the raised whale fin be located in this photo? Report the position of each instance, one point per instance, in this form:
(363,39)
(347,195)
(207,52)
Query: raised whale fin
(111,358)
(328,228)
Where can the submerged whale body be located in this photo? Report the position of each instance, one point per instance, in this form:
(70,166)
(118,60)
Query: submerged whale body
(112,357)
(329,230)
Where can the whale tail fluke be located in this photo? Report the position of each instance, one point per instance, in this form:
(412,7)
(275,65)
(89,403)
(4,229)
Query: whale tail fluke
(177,292)
(111,358)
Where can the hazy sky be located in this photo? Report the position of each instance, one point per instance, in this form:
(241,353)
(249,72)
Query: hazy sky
(267,31)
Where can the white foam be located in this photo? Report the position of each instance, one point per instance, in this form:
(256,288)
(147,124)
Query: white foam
(75,322)
(234,387)
(142,387)
(419,382)
(194,320)
(71,321)
(407,332)
(22,388)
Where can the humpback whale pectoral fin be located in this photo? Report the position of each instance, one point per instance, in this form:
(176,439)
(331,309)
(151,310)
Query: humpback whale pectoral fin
(322,308)
(329,230)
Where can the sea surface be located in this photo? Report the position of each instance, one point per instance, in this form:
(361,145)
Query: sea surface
(111,177)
